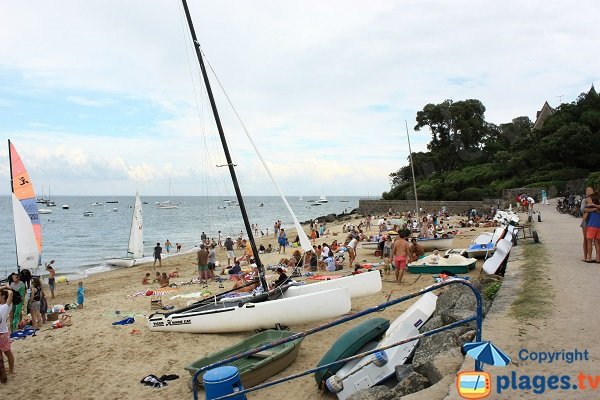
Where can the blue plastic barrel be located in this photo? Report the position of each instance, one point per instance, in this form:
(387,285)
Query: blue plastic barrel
(221,381)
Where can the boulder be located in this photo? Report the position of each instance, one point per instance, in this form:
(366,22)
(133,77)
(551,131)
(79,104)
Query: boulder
(373,393)
(466,337)
(329,218)
(436,366)
(409,381)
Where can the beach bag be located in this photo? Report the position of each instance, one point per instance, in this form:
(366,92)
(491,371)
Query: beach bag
(17,298)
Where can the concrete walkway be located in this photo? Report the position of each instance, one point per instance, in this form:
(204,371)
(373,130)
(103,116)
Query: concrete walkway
(572,325)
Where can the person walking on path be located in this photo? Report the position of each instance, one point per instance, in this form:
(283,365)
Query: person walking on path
(544,197)
(51,279)
(157,255)
(588,192)
(591,216)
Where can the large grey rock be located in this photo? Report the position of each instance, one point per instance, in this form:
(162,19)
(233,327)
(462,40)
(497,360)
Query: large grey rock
(330,218)
(373,393)
(439,364)
(466,337)
(409,381)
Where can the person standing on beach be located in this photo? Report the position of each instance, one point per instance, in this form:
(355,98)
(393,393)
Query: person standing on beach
(80,294)
(212,261)
(6,296)
(51,279)
(229,249)
(220,239)
(157,253)
(352,250)
(17,286)
(168,245)
(202,264)
(282,240)
(400,255)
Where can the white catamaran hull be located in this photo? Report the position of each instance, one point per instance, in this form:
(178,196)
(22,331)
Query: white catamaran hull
(121,262)
(359,285)
(287,311)
(430,244)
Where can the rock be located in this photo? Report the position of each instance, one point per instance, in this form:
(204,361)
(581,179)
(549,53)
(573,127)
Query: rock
(409,381)
(373,393)
(466,337)
(436,366)
(330,218)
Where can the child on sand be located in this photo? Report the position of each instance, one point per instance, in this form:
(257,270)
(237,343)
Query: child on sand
(387,266)
(80,295)
(146,280)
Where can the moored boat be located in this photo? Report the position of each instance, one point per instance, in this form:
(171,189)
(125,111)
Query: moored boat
(259,366)
(434,264)
(135,248)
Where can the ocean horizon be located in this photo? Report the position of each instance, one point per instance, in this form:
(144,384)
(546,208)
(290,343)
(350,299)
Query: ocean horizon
(79,244)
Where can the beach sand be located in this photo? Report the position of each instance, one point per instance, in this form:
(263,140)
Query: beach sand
(94,359)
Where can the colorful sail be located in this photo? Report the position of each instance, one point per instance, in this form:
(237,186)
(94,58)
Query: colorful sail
(28,230)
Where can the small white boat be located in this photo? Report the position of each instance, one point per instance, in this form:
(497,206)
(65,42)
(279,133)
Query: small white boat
(377,367)
(435,264)
(115,209)
(65,206)
(485,244)
(359,285)
(96,204)
(167,205)
(135,247)
(88,213)
(44,211)
(322,199)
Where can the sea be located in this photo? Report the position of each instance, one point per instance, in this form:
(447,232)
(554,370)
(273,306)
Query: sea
(79,244)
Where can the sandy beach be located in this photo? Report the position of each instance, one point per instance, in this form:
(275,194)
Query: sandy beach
(94,359)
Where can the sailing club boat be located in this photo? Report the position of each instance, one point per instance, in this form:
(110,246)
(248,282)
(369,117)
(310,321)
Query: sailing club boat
(135,249)
(167,203)
(219,314)
(28,230)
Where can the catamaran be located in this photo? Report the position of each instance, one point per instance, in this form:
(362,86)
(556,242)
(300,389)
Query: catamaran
(28,230)
(135,249)
(272,306)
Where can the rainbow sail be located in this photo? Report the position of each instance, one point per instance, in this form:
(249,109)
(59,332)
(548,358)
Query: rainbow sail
(28,230)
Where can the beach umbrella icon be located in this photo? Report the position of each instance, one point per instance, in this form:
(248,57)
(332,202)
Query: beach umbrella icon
(487,353)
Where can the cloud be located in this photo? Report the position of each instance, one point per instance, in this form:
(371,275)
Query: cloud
(112,100)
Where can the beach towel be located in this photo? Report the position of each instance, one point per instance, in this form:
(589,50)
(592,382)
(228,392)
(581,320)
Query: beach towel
(125,321)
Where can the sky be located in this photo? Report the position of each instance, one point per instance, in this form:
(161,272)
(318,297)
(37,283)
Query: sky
(105,97)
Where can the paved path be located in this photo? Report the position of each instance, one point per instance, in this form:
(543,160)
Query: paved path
(573,323)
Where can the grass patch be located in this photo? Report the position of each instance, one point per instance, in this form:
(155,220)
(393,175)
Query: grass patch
(491,290)
(536,296)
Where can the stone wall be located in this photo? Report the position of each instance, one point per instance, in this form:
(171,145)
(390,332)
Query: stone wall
(378,207)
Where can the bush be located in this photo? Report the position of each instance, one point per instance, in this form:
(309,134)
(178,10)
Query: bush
(472,193)
(593,180)
(491,290)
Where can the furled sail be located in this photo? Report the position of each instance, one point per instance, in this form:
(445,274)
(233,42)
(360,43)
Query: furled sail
(136,235)
(28,230)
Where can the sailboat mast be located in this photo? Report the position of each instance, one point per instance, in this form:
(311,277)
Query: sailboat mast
(412,167)
(12,190)
(230,164)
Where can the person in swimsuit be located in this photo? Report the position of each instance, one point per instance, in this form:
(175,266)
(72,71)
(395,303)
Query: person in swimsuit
(157,253)
(401,254)
(51,279)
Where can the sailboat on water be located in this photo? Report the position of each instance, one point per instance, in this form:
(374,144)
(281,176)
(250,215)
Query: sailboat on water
(135,248)
(167,204)
(28,230)
(220,314)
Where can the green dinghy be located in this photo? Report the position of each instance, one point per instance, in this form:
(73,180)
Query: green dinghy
(260,366)
(348,344)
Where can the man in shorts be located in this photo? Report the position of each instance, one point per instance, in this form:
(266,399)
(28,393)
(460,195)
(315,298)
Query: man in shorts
(203,264)
(157,253)
(229,247)
(51,279)
(401,254)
